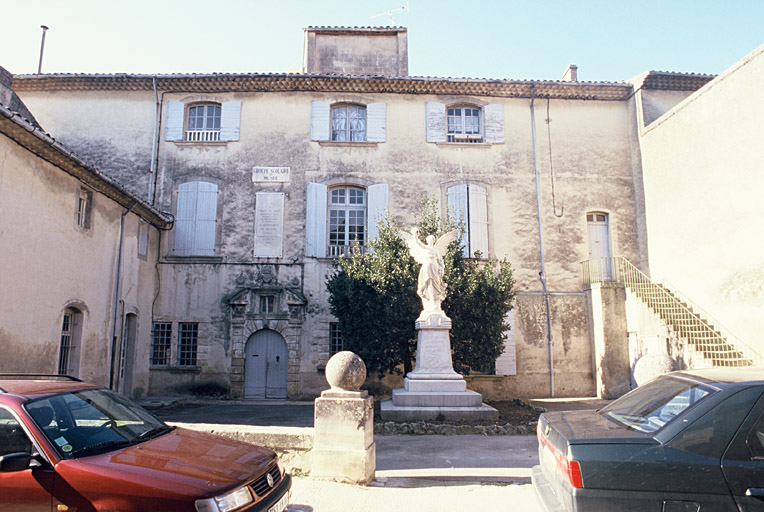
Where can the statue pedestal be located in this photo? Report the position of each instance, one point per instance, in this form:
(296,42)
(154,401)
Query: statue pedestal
(434,390)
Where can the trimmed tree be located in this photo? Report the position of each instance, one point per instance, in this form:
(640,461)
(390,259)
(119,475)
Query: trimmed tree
(373,295)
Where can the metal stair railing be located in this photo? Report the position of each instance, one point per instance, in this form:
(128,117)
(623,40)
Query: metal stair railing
(692,326)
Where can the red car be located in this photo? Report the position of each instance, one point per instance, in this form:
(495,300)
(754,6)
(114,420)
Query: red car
(68,446)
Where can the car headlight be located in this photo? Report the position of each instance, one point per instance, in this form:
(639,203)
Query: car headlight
(227,502)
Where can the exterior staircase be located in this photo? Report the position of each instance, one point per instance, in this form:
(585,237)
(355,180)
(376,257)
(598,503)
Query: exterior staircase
(709,343)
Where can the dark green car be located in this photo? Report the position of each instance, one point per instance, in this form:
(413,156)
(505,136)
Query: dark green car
(689,441)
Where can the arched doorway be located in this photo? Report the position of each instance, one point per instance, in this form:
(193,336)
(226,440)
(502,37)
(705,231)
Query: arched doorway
(265,367)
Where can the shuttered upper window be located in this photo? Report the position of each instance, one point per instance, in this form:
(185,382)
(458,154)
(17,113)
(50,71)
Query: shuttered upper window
(464,123)
(203,122)
(342,122)
(468,203)
(196,219)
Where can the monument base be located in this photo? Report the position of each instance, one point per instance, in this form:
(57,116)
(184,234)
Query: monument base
(391,412)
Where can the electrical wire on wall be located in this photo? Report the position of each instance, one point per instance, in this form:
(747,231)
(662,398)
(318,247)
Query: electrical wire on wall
(551,164)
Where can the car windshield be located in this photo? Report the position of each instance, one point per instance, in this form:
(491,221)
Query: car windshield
(654,405)
(92,421)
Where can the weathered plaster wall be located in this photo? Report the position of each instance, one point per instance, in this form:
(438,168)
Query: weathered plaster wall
(51,264)
(585,162)
(703,177)
(111,132)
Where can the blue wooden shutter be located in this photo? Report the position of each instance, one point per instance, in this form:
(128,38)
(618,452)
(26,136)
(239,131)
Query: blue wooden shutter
(230,119)
(376,207)
(478,218)
(320,120)
(174,125)
(457,211)
(435,114)
(494,123)
(315,220)
(376,122)
(185,219)
(206,218)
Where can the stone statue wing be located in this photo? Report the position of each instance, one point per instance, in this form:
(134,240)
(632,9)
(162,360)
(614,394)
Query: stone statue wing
(442,244)
(416,248)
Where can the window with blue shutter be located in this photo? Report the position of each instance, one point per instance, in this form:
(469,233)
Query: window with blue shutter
(203,122)
(342,122)
(464,123)
(196,219)
(468,203)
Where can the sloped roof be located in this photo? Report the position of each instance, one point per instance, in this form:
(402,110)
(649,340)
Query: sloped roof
(672,81)
(275,82)
(32,138)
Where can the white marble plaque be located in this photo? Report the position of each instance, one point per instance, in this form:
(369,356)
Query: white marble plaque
(269,224)
(270,175)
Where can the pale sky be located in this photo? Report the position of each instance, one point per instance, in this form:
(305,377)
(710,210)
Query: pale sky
(523,40)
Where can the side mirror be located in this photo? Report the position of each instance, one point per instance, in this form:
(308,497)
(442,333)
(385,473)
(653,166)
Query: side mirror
(17,462)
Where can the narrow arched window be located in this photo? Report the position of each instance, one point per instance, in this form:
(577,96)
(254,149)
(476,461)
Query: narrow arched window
(69,347)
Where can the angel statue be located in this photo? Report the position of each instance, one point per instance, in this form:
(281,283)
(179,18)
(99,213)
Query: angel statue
(430,287)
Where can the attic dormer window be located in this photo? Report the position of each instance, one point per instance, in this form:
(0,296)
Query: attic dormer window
(203,123)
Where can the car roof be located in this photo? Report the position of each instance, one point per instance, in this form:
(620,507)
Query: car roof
(38,385)
(725,375)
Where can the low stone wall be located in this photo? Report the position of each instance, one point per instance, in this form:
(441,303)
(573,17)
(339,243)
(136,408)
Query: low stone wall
(292,444)
(393,428)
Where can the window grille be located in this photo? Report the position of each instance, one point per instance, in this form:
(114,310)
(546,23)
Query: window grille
(188,336)
(66,343)
(335,338)
(161,336)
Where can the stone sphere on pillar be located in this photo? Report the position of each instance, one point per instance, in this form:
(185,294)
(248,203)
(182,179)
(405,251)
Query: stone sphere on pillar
(345,371)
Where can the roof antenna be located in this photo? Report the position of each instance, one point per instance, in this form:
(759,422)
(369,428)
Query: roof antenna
(42,48)
(390,12)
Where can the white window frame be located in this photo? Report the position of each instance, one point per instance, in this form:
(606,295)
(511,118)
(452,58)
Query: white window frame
(344,205)
(465,114)
(352,113)
(83,208)
(210,118)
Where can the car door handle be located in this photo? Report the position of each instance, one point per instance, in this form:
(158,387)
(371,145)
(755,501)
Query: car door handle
(755,492)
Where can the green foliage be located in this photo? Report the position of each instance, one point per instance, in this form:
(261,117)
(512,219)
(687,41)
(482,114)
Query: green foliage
(373,295)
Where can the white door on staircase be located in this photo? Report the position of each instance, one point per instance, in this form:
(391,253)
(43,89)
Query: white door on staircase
(265,367)
(599,246)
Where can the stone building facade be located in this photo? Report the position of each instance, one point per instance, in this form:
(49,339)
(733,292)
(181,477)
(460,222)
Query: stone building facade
(270,177)
(79,254)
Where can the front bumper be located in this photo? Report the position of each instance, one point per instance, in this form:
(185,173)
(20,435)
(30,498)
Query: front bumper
(285,486)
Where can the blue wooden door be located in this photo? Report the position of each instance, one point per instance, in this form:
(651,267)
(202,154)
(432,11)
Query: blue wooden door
(265,368)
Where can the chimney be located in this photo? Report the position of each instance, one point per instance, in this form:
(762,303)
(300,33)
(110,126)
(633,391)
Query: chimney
(370,51)
(571,74)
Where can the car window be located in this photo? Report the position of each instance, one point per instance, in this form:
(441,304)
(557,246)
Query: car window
(710,434)
(652,406)
(756,439)
(85,422)
(13,439)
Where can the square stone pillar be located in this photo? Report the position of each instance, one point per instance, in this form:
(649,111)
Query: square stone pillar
(343,443)
(612,364)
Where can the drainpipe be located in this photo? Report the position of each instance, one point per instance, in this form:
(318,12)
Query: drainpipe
(155,143)
(117,294)
(542,274)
